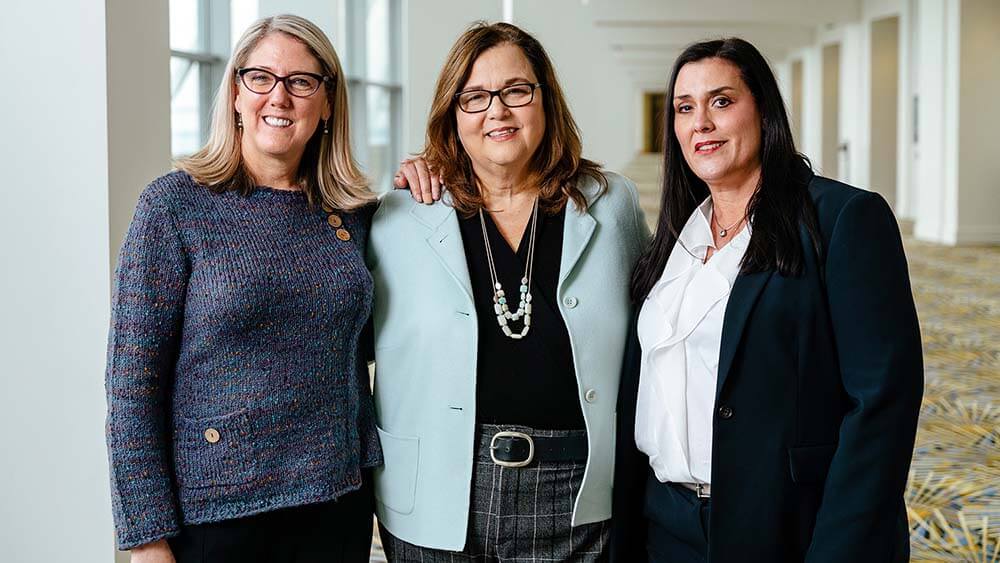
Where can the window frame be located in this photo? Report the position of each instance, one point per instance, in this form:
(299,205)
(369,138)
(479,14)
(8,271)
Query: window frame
(209,59)
(355,31)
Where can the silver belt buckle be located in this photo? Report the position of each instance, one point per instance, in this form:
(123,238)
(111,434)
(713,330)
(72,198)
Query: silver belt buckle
(702,491)
(506,434)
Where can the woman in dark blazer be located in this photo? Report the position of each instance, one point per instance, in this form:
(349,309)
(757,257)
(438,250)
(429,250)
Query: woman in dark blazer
(770,395)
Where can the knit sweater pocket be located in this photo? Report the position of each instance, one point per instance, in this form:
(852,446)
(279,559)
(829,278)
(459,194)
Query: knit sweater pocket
(214,451)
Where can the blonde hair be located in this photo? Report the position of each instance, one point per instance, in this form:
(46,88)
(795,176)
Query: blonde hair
(557,164)
(328,171)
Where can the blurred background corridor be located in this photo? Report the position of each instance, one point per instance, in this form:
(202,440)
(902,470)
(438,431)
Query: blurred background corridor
(895,96)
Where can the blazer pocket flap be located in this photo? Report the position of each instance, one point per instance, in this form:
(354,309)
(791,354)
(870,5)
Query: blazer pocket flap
(214,451)
(810,464)
(396,479)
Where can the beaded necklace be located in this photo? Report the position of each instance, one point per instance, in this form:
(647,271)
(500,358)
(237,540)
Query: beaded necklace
(503,313)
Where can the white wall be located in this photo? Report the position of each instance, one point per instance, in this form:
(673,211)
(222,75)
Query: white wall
(430,27)
(55,285)
(978,162)
(936,163)
(600,94)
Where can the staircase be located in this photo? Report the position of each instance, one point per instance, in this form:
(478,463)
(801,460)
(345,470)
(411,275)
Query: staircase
(644,170)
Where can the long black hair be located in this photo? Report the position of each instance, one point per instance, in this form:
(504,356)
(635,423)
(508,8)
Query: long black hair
(781,201)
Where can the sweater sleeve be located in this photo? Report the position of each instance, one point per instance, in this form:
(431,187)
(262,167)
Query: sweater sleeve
(146,319)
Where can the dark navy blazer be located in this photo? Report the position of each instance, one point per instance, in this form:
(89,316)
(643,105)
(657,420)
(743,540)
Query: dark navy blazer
(819,387)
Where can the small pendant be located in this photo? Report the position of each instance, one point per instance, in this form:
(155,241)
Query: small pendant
(723,233)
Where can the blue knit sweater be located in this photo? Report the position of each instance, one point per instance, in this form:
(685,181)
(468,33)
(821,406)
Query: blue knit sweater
(234,382)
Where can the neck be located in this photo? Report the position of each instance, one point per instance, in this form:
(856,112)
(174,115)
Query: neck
(730,199)
(504,189)
(272,172)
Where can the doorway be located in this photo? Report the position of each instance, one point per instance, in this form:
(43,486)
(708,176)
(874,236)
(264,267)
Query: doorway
(884,105)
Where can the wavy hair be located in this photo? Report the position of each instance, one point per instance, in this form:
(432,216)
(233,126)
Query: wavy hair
(328,171)
(556,165)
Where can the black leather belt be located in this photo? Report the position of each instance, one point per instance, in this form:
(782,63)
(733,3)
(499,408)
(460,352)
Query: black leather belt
(517,449)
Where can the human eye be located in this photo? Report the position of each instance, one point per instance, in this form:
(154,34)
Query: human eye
(517,90)
(259,77)
(683,108)
(302,81)
(722,102)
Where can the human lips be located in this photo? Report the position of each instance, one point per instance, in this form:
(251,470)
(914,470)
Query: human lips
(501,133)
(708,147)
(279,122)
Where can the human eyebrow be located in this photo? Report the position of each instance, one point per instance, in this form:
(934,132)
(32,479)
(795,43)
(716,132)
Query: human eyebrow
(508,82)
(713,92)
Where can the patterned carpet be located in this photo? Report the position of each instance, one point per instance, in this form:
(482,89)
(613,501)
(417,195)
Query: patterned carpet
(954,490)
(953,496)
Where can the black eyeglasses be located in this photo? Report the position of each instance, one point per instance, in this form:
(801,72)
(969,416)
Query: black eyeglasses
(298,84)
(513,96)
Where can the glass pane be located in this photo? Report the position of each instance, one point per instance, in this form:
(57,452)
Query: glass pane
(379,143)
(184,25)
(185,118)
(378,41)
(242,14)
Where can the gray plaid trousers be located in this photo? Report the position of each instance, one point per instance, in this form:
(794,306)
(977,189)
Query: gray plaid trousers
(517,514)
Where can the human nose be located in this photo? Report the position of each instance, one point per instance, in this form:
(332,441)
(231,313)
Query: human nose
(496,109)
(279,96)
(703,121)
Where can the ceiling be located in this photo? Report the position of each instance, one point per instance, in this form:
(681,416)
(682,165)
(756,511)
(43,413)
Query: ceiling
(647,35)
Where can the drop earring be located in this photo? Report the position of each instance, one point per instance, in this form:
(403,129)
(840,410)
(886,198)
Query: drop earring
(239,121)
(326,126)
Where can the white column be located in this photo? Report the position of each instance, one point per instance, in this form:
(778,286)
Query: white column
(62,149)
(906,193)
(936,152)
(978,123)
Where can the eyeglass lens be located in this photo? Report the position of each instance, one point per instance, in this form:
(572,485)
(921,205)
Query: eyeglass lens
(512,96)
(262,82)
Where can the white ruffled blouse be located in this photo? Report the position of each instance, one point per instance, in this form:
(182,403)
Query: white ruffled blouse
(680,332)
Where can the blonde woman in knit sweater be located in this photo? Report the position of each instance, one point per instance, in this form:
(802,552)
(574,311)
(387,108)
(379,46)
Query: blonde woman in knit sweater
(239,423)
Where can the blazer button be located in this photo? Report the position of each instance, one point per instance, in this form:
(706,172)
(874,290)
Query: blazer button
(211,435)
(726,412)
(570,302)
(590,396)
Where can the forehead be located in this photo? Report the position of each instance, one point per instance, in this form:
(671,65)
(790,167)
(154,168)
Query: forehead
(706,75)
(283,53)
(499,64)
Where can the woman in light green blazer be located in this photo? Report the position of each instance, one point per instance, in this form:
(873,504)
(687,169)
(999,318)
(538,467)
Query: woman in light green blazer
(496,423)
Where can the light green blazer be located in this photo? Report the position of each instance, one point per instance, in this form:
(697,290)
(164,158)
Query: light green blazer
(426,346)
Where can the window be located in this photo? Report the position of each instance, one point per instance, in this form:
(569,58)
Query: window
(203,33)
(200,42)
(372,62)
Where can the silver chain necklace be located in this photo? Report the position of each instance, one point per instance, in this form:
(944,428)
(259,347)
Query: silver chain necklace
(500,307)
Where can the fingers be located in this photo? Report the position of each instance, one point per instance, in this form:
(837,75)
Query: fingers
(424,175)
(424,185)
(435,187)
(407,177)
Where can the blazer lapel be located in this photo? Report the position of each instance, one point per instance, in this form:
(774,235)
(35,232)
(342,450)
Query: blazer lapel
(744,295)
(445,240)
(577,229)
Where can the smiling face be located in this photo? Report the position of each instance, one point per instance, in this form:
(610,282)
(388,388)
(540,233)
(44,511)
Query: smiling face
(501,139)
(717,123)
(278,125)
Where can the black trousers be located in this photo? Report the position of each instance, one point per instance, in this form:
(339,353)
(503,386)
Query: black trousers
(338,531)
(678,523)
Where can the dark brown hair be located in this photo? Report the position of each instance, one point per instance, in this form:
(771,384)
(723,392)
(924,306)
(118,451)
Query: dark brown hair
(556,165)
(781,203)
